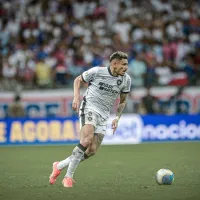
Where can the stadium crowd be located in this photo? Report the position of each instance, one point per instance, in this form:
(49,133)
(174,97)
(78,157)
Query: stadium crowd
(45,44)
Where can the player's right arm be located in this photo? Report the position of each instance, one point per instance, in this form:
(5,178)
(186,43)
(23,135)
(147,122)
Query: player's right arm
(86,77)
(77,85)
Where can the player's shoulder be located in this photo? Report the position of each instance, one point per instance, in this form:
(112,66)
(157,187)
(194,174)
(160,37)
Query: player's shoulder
(98,68)
(127,79)
(101,70)
(92,70)
(127,76)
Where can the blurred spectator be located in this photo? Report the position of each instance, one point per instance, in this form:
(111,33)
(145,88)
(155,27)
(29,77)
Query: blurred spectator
(159,35)
(181,107)
(1,72)
(9,74)
(148,103)
(164,74)
(61,73)
(43,74)
(26,75)
(150,78)
(137,70)
(16,109)
(189,69)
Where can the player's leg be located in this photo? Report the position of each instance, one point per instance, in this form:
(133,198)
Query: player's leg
(86,119)
(59,166)
(64,163)
(87,134)
(100,131)
(94,146)
(91,150)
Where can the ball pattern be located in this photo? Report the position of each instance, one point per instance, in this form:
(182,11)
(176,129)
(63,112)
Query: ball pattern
(167,179)
(164,177)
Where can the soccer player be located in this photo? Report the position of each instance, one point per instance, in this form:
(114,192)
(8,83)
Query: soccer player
(105,84)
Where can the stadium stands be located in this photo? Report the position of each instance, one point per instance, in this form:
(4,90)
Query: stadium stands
(46,44)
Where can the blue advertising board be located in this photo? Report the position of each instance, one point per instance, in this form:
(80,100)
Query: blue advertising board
(166,128)
(39,131)
(132,129)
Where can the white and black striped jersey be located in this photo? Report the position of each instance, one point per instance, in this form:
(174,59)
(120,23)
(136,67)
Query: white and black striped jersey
(103,89)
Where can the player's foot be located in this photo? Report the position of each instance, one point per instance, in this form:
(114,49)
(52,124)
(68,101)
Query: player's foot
(55,173)
(68,182)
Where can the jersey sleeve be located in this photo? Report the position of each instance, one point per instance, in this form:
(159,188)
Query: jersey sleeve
(127,86)
(90,74)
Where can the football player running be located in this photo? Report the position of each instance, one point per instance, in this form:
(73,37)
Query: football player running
(105,84)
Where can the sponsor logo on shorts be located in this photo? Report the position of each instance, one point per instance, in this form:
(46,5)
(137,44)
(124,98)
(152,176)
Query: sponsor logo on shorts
(90,118)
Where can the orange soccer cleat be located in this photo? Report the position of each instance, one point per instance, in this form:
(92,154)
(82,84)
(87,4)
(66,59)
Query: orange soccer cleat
(68,182)
(55,173)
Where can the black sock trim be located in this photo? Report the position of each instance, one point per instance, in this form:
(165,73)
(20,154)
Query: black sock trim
(80,146)
(86,156)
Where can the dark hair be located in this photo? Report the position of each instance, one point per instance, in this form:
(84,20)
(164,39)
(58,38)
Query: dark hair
(118,55)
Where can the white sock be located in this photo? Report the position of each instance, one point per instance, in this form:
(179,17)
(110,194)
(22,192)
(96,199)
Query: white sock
(64,163)
(78,153)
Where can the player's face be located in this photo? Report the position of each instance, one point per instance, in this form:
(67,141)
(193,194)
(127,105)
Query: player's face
(121,66)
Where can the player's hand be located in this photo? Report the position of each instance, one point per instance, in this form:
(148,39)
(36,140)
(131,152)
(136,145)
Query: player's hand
(75,104)
(114,124)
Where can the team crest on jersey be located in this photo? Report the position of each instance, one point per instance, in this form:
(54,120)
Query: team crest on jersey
(90,118)
(119,82)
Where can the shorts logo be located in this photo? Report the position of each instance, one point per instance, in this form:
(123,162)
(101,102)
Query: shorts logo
(90,113)
(89,118)
(119,82)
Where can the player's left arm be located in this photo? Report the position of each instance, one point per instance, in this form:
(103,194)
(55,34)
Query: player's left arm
(120,108)
(123,97)
(122,104)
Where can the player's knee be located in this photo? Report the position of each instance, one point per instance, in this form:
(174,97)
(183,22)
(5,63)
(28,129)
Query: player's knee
(86,141)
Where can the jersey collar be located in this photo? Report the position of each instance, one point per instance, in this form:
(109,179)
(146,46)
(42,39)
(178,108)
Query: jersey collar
(109,70)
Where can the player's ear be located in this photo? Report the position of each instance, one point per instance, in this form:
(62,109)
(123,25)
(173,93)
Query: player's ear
(115,62)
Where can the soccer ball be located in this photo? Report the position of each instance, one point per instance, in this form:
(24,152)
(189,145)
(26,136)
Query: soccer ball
(164,177)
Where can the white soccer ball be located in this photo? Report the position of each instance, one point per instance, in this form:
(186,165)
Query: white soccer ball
(164,177)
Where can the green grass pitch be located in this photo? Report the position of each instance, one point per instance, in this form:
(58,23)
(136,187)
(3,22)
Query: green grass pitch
(116,172)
